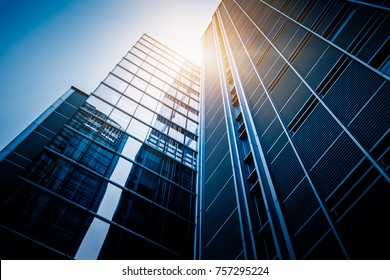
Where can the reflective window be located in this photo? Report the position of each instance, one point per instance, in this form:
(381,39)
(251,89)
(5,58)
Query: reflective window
(121,171)
(157,82)
(138,129)
(149,68)
(149,102)
(122,73)
(129,66)
(146,43)
(116,83)
(178,136)
(192,126)
(106,93)
(127,105)
(134,93)
(140,84)
(141,47)
(153,91)
(144,115)
(194,104)
(169,80)
(165,112)
(100,105)
(131,148)
(193,115)
(134,59)
(144,75)
(152,61)
(138,53)
(159,74)
(121,118)
(179,119)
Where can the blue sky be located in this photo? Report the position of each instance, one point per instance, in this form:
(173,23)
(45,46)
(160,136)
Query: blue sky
(47,46)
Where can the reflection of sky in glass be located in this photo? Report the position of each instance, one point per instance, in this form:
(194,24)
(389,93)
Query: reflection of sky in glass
(96,234)
(145,112)
(47,46)
(40,59)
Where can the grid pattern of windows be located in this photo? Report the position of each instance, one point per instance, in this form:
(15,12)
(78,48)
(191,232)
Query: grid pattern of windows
(154,97)
(123,165)
(162,95)
(310,80)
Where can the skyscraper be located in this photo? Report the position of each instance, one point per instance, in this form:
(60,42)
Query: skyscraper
(295,131)
(111,175)
(290,115)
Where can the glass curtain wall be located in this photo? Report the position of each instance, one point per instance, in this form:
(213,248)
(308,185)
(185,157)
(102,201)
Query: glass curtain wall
(118,180)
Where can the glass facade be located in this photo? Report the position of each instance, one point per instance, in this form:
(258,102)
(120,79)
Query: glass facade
(118,179)
(296,128)
(290,116)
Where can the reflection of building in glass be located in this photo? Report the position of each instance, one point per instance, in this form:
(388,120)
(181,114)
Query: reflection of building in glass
(112,175)
(293,146)
(167,219)
(295,121)
(47,204)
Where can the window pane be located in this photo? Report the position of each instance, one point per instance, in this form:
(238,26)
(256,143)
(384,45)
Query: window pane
(149,102)
(151,60)
(120,118)
(127,105)
(153,91)
(176,135)
(157,82)
(131,57)
(144,75)
(134,93)
(138,129)
(116,83)
(191,126)
(144,114)
(179,119)
(121,171)
(146,43)
(124,74)
(107,94)
(131,148)
(194,104)
(137,82)
(138,53)
(100,105)
(129,66)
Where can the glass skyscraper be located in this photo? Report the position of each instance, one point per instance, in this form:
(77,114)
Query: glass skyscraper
(276,148)
(295,131)
(112,175)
